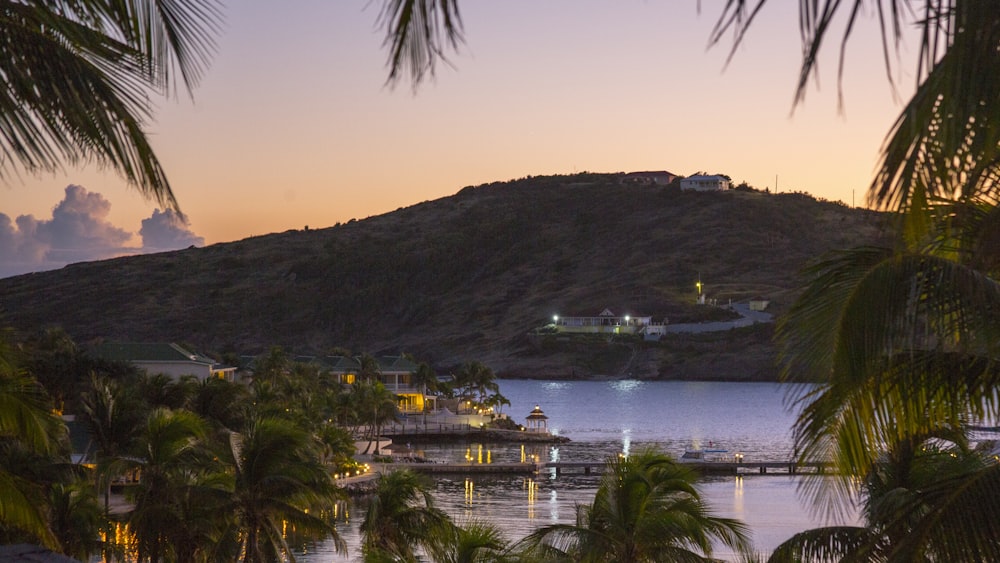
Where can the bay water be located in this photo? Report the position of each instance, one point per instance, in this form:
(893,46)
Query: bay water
(603,418)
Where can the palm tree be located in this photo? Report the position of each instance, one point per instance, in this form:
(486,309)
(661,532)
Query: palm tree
(28,425)
(79,77)
(426,379)
(917,488)
(476,380)
(221,403)
(375,407)
(77,519)
(113,414)
(475,542)
(369,370)
(401,518)
(170,456)
(278,482)
(647,508)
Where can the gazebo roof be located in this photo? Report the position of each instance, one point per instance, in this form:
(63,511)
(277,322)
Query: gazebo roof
(537,414)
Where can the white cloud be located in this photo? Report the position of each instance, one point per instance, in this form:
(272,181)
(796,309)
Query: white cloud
(79,231)
(166,230)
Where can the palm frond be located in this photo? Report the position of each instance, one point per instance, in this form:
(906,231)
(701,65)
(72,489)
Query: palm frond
(901,345)
(824,545)
(417,34)
(817,20)
(945,143)
(959,518)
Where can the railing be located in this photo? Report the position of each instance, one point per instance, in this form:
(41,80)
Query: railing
(431,428)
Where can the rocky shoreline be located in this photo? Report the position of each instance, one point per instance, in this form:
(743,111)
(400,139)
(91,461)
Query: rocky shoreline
(481,435)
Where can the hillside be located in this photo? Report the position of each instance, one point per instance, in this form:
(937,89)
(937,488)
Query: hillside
(467,277)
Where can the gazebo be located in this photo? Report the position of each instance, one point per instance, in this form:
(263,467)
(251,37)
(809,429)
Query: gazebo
(537,421)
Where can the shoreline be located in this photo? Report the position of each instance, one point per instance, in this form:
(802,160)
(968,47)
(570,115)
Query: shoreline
(479,435)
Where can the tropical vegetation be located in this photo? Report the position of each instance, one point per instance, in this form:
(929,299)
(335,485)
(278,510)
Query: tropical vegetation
(647,508)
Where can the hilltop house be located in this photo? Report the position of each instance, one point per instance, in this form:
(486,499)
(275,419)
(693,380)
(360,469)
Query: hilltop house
(606,322)
(660,178)
(705,183)
(164,357)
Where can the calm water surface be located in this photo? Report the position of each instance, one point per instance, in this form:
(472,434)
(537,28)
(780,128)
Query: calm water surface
(607,418)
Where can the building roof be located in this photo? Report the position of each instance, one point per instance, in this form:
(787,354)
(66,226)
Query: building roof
(649,173)
(537,414)
(706,177)
(148,352)
(154,352)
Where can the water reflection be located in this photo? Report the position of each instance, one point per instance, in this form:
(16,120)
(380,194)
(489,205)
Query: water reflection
(738,497)
(532,487)
(626,385)
(610,418)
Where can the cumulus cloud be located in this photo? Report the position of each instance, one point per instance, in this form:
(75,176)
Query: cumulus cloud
(166,230)
(79,231)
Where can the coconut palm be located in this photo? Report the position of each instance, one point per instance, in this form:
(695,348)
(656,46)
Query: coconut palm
(28,425)
(113,414)
(401,518)
(221,403)
(475,542)
(78,78)
(376,406)
(476,380)
(170,455)
(911,498)
(369,369)
(278,482)
(76,519)
(425,378)
(647,508)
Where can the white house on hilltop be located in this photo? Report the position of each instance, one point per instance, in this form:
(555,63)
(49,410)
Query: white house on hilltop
(704,183)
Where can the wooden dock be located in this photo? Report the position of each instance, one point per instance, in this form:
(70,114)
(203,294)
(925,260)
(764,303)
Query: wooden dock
(468,467)
(597,467)
(705,467)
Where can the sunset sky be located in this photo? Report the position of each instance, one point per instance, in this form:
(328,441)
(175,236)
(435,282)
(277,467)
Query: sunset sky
(293,124)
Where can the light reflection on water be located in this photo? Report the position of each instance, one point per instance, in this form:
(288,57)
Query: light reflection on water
(607,418)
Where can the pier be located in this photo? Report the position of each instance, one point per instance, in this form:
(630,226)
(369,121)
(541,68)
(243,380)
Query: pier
(597,467)
(706,467)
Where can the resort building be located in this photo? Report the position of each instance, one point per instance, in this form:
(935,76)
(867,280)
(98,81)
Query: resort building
(395,372)
(704,183)
(164,357)
(606,322)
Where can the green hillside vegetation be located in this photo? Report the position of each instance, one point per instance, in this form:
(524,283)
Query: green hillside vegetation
(468,277)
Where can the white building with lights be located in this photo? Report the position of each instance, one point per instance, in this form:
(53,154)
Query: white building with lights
(606,322)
